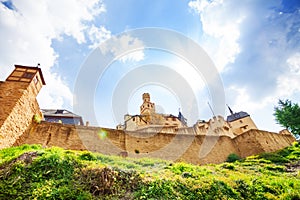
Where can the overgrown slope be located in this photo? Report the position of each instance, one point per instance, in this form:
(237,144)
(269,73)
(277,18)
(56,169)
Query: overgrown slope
(33,172)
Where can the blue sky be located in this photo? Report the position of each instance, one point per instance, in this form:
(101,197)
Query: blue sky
(254,45)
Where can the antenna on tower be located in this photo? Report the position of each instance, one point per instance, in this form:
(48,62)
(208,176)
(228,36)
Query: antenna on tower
(231,112)
(211,109)
(38,65)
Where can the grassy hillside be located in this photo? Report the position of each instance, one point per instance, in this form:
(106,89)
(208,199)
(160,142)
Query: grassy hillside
(33,172)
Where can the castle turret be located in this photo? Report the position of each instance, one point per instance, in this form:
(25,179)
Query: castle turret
(18,102)
(147,108)
(240,122)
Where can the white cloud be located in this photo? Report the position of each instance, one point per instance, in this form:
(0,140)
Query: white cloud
(260,43)
(26,38)
(294,63)
(125,48)
(287,85)
(289,81)
(220,30)
(98,35)
(187,71)
(56,94)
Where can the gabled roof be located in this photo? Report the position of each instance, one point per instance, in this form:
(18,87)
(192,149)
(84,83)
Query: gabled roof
(236,116)
(59,113)
(34,68)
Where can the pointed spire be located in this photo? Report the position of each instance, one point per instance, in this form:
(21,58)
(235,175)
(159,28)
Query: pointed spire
(181,117)
(231,112)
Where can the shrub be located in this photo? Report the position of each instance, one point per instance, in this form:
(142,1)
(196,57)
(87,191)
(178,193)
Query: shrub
(106,181)
(87,156)
(296,144)
(232,157)
(274,157)
(228,166)
(275,168)
(37,119)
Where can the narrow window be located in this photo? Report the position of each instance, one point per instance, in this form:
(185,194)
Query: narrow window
(35,80)
(28,75)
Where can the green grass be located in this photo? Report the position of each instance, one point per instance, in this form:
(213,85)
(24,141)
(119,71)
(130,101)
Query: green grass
(33,172)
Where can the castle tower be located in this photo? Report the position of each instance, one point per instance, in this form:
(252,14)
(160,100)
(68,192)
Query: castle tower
(240,122)
(147,108)
(18,102)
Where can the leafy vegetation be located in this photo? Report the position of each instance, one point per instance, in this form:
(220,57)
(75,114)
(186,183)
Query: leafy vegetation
(33,172)
(288,115)
(233,157)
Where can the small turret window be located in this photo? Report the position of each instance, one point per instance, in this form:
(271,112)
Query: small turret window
(28,75)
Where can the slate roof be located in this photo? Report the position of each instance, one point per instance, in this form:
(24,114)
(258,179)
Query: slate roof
(59,113)
(236,116)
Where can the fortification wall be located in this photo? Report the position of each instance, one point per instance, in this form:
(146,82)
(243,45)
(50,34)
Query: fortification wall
(102,140)
(209,149)
(52,134)
(196,149)
(258,141)
(18,106)
(106,141)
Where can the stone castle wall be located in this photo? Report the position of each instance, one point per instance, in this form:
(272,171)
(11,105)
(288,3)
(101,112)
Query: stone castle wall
(196,149)
(257,141)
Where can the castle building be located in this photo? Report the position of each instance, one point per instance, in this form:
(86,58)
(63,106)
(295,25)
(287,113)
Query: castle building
(148,118)
(150,121)
(61,116)
(240,122)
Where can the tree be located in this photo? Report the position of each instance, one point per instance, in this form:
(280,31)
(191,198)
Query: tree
(287,114)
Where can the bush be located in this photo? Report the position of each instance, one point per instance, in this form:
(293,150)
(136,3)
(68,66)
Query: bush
(275,168)
(88,156)
(274,157)
(228,166)
(232,157)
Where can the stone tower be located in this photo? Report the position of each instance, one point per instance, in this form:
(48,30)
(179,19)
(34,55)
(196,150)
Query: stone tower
(147,108)
(240,122)
(18,102)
